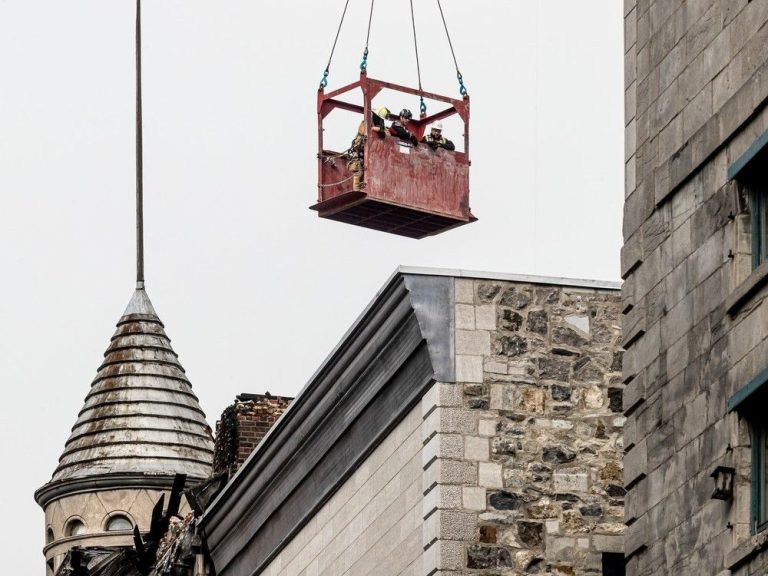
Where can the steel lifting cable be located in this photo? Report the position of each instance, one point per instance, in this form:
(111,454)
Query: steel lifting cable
(364,63)
(462,88)
(324,81)
(422,104)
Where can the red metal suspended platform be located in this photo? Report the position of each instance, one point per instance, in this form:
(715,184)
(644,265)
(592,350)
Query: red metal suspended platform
(409,191)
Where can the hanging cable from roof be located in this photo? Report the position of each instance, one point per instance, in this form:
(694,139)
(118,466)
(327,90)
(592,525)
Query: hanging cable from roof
(139,159)
(364,63)
(422,104)
(324,81)
(462,88)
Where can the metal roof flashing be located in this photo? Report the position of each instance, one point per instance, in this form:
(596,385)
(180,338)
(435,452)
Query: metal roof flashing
(510,277)
(140,304)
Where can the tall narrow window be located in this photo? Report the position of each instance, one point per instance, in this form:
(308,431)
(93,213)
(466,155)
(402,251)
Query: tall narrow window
(749,170)
(759,201)
(749,401)
(759,475)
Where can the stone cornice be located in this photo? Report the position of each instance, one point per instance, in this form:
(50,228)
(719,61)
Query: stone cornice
(62,488)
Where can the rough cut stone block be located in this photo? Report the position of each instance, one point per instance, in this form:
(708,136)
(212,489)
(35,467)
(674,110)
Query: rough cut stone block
(635,464)
(441,395)
(485,317)
(473,342)
(495,367)
(444,497)
(497,397)
(465,317)
(570,482)
(633,326)
(487,427)
(474,498)
(608,543)
(442,446)
(469,368)
(489,475)
(636,538)
(476,448)
(441,556)
(449,472)
(457,525)
(465,291)
(631,255)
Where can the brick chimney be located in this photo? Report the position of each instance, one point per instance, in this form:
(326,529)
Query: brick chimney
(241,428)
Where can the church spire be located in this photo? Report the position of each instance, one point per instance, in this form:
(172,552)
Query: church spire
(139,160)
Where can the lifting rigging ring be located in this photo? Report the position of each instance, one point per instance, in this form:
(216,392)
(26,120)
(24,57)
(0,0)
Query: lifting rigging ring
(410,190)
(364,62)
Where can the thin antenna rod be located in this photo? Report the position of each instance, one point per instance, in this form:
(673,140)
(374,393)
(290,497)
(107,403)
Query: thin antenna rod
(139,160)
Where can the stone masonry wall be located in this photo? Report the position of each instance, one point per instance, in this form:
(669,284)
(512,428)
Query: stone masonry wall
(523,456)
(696,81)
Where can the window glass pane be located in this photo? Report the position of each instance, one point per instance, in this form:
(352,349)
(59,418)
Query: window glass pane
(119,523)
(763,476)
(75,528)
(762,217)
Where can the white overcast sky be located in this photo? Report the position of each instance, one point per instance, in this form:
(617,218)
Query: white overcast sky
(253,288)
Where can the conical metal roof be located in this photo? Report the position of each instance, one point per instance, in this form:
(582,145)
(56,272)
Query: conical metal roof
(140,416)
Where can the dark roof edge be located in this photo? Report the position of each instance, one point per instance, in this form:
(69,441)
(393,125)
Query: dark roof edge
(337,350)
(372,379)
(59,489)
(368,312)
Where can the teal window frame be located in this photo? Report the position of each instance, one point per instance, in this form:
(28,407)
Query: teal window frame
(759,206)
(749,169)
(749,401)
(759,503)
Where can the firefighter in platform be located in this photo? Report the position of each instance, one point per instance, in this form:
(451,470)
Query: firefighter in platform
(355,154)
(399,127)
(435,138)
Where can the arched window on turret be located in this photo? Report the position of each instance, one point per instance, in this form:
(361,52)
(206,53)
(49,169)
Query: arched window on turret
(118,523)
(75,527)
(49,537)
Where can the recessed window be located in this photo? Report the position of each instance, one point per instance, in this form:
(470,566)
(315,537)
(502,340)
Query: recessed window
(75,527)
(119,523)
(613,564)
(750,172)
(758,196)
(749,402)
(49,535)
(760,475)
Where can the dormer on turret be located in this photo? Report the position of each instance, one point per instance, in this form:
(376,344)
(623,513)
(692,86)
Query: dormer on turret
(141,424)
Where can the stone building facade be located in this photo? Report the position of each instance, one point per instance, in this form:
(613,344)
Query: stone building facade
(466,424)
(693,261)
